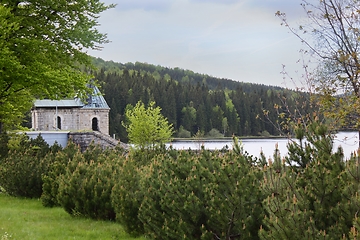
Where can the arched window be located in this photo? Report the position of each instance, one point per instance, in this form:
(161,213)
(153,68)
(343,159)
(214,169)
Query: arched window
(95,126)
(58,122)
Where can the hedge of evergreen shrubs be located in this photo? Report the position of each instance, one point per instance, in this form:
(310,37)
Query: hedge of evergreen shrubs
(168,194)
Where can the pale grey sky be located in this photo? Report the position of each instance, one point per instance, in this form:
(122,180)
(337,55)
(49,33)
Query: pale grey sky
(240,40)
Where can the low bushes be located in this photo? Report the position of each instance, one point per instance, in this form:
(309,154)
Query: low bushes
(201,196)
(79,182)
(85,186)
(168,194)
(22,169)
(311,195)
(56,169)
(127,195)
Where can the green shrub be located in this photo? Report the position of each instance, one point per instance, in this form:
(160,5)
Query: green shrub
(352,188)
(21,170)
(214,133)
(127,194)
(56,167)
(209,196)
(20,175)
(85,188)
(183,133)
(4,149)
(265,134)
(310,194)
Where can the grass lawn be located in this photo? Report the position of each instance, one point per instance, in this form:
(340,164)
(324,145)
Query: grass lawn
(28,219)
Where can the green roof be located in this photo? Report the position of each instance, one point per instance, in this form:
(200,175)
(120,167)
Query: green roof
(47,103)
(96,100)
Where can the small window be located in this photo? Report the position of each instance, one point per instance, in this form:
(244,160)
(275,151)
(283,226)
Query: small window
(58,122)
(95,126)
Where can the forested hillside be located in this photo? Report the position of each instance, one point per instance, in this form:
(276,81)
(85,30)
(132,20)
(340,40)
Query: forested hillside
(192,102)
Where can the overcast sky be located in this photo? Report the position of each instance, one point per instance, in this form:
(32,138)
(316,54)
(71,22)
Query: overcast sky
(240,40)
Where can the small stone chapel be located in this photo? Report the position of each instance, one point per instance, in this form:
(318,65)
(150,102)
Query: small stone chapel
(72,114)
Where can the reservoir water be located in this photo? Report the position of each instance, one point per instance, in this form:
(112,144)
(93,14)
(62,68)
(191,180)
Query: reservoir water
(349,141)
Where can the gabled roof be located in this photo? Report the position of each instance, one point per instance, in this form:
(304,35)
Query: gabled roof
(96,100)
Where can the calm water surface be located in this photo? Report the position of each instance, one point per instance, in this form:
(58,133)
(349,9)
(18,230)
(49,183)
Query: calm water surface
(349,141)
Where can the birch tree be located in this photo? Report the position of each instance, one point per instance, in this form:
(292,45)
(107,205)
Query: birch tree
(146,126)
(332,36)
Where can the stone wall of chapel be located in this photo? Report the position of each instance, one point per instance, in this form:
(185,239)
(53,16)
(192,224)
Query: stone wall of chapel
(44,119)
(87,115)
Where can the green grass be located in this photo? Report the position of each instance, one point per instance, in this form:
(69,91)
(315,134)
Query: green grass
(28,219)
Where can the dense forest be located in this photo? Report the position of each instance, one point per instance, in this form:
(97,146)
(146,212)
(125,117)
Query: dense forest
(192,102)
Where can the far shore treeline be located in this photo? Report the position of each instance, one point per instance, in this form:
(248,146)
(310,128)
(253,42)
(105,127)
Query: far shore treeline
(195,103)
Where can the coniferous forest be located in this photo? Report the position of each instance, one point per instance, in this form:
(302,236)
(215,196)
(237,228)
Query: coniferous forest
(192,102)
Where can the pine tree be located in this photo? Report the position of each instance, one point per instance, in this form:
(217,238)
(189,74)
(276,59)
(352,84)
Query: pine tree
(210,195)
(308,197)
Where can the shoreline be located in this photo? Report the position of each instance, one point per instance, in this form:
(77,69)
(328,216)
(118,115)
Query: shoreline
(225,139)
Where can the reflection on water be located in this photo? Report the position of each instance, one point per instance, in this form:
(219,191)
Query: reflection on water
(349,141)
